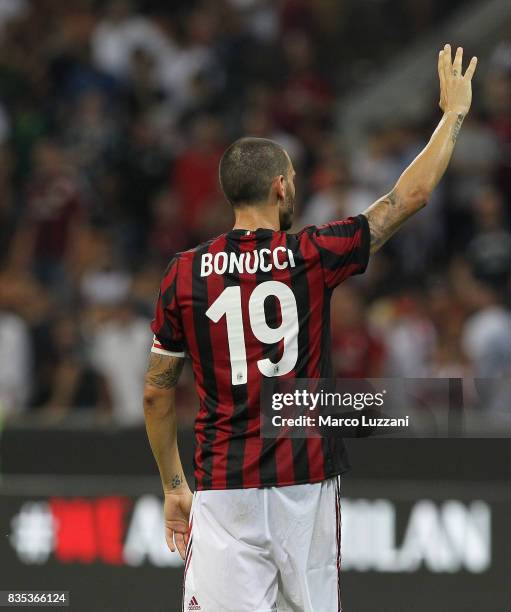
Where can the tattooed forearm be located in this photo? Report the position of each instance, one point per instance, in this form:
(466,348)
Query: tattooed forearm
(457,127)
(386,216)
(163,372)
(161,420)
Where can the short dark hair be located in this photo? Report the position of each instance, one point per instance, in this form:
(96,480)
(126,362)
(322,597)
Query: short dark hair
(248,167)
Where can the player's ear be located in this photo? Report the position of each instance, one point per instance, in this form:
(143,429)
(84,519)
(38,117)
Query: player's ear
(279,186)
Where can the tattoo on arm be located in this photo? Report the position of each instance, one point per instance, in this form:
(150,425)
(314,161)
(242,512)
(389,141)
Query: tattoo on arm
(386,216)
(163,372)
(457,127)
(176,482)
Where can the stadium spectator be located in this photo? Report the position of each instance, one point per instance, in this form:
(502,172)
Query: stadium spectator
(119,348)
(15,363)
(168,233)
(112,121)
(410,337)
(194,76)
(357,351)
(54,208)
(71,381)
(486,335)
(120,33)
(195,176)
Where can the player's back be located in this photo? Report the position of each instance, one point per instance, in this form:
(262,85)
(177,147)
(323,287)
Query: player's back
(249,304)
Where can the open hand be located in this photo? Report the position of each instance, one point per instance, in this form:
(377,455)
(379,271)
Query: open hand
(455,88)
(177,508)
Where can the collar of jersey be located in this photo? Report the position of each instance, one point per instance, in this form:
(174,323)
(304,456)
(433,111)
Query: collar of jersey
(241,234)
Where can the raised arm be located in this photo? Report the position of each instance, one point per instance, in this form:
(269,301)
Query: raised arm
(160,419)
(415,185)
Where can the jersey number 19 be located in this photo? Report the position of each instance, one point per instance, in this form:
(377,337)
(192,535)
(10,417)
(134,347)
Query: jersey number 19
(228,303)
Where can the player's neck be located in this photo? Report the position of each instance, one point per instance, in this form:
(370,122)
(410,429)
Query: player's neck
(257,217)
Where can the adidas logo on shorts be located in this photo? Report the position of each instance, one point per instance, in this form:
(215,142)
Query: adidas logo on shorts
(193,604)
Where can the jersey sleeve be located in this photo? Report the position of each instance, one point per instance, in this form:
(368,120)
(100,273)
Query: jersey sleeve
(343,247)
(167,325)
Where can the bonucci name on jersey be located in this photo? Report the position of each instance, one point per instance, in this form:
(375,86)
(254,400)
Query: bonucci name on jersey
(263,260)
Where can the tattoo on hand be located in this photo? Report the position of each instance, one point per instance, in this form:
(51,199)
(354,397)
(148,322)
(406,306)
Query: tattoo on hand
(176,482)
(457,127)
(163,372)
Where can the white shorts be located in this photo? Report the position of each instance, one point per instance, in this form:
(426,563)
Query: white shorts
(263,550)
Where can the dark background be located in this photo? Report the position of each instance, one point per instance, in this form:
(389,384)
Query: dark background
(74,465)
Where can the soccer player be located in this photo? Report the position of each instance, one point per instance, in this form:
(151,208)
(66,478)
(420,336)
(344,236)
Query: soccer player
(262,530)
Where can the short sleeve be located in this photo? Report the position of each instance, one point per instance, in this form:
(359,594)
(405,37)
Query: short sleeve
(343,247)
(167,325)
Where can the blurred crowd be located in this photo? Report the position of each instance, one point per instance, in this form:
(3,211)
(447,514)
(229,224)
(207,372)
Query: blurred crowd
(113,117)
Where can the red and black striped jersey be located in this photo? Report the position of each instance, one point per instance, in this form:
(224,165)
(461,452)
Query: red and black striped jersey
(246,305)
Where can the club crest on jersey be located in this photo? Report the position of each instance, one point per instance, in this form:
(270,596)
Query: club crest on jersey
(262,260)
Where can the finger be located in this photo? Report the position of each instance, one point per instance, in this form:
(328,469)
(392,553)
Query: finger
(471,69)
(169,536)
(446,63)
(180,543)
(187,538)
(458,60)
(447,59)
(441,75)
